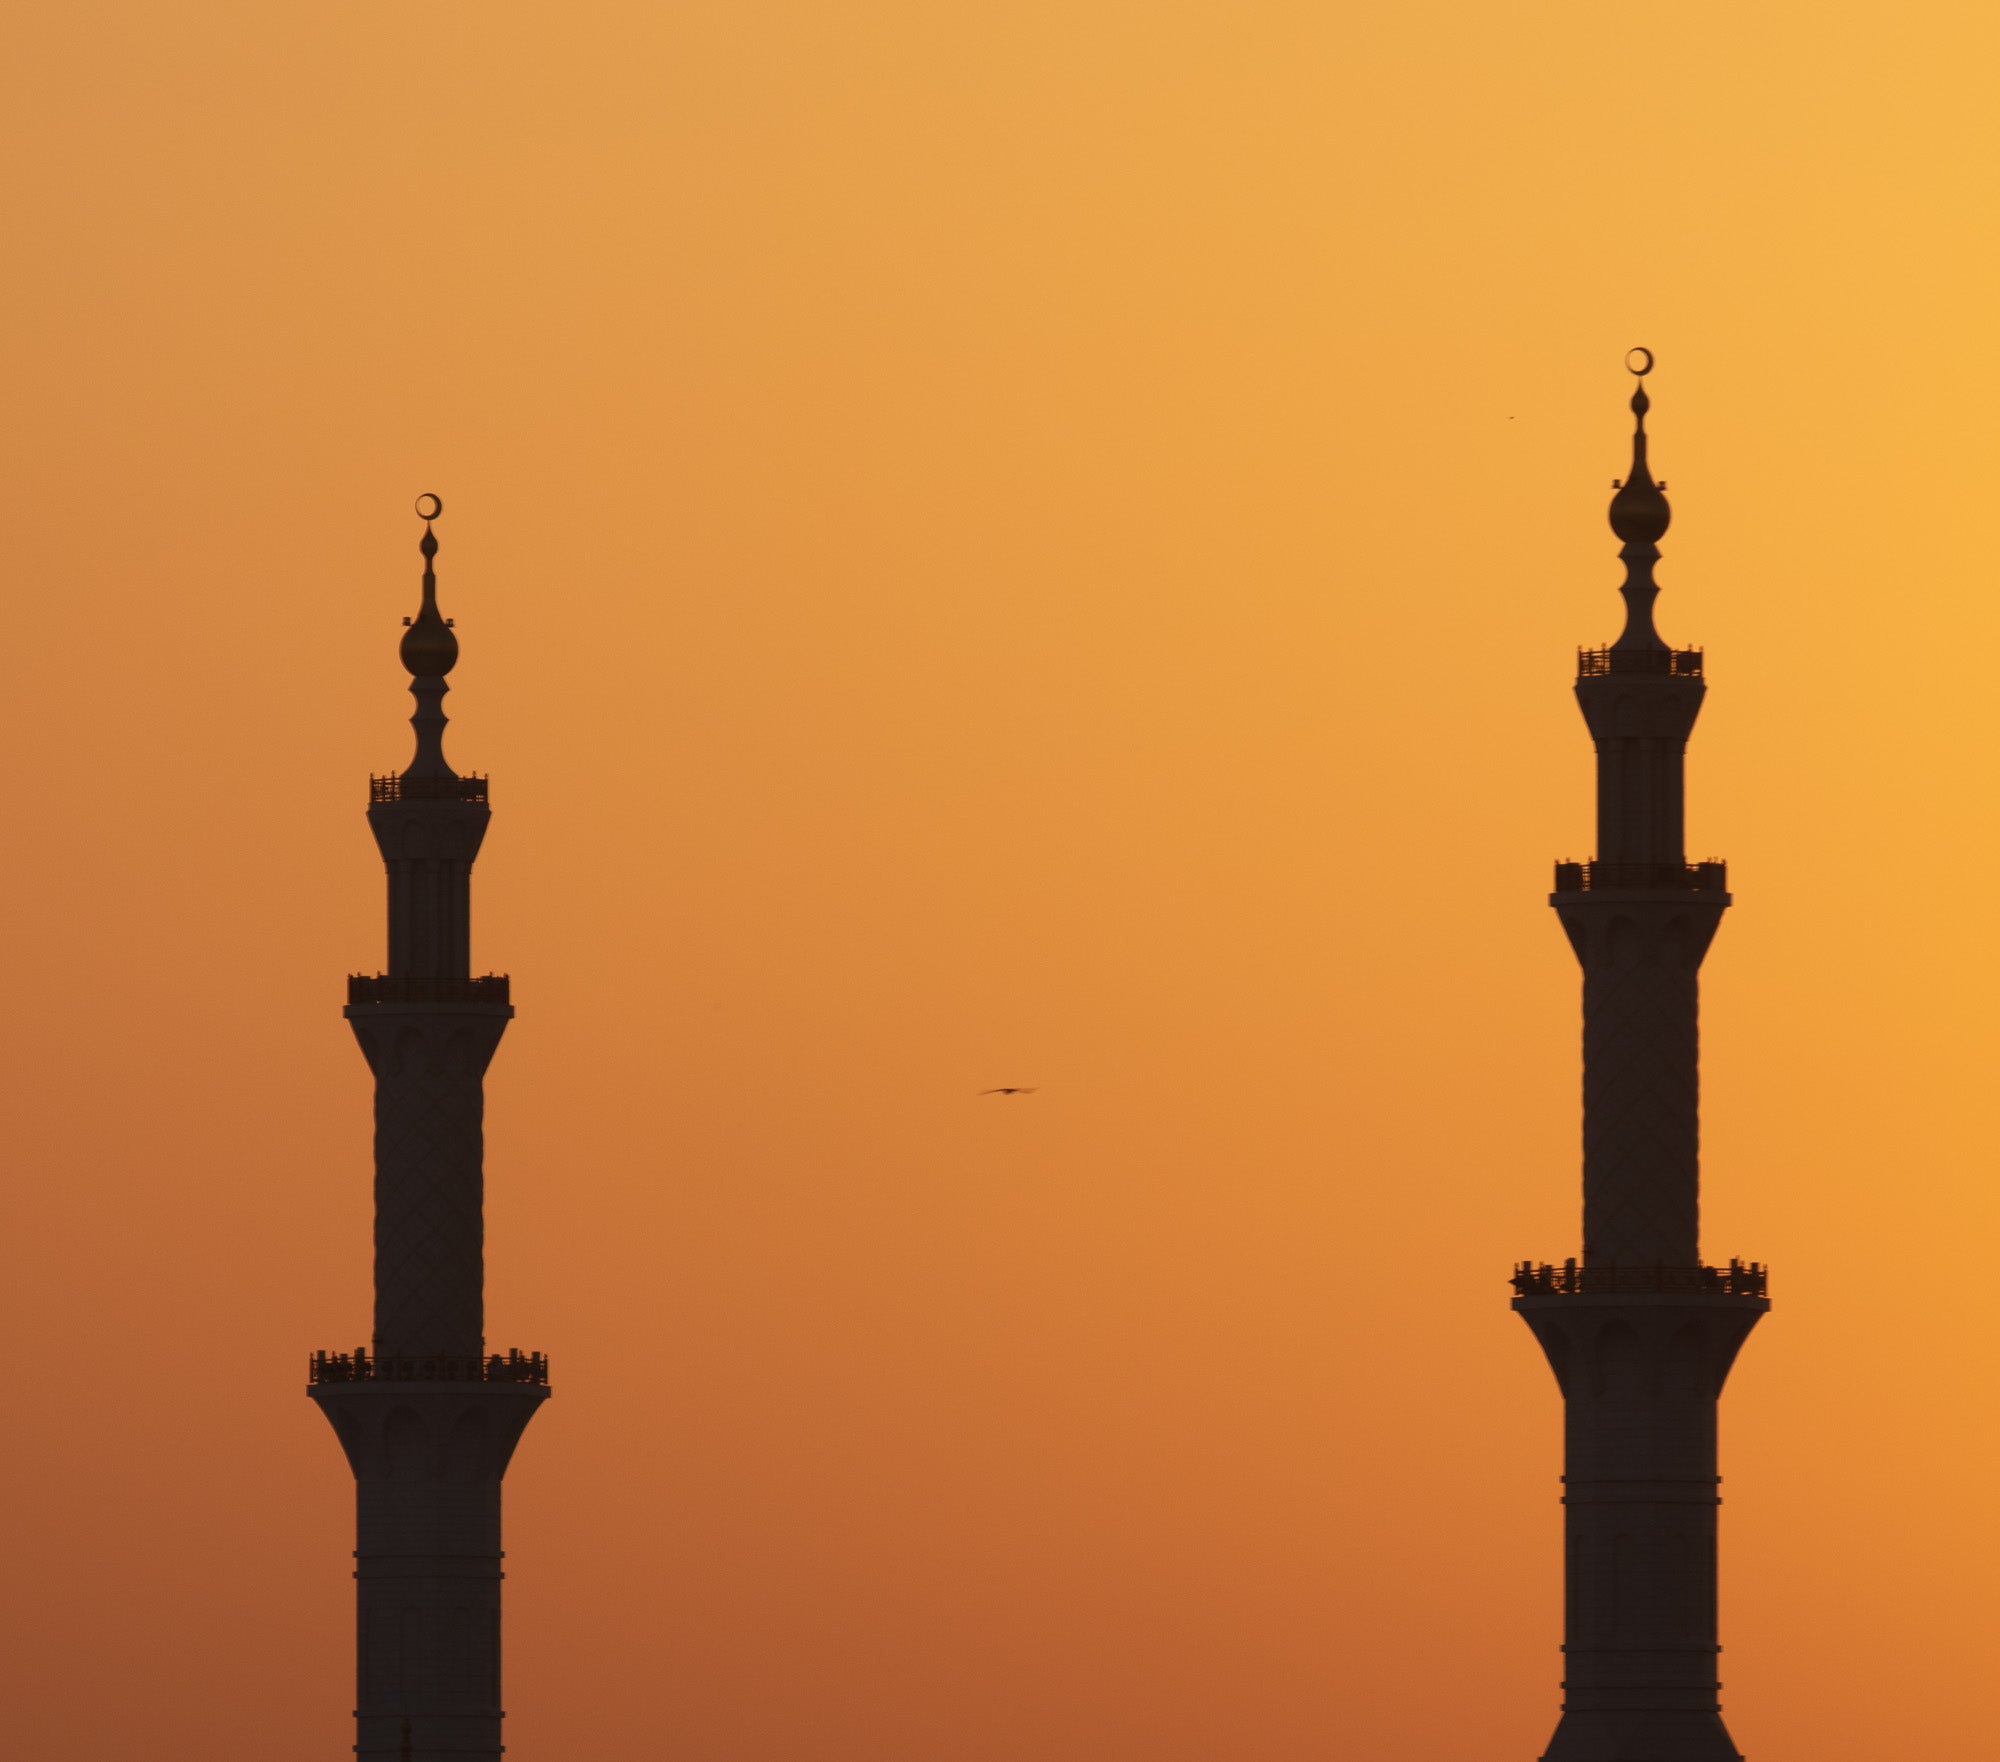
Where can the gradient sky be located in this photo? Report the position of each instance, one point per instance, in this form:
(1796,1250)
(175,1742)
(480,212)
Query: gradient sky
(1038,543)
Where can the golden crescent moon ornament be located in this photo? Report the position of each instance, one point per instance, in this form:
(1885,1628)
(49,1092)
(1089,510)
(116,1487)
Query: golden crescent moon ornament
(1644,356)
(435,509)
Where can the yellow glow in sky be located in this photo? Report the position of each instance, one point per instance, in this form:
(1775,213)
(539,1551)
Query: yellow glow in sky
(1025,544)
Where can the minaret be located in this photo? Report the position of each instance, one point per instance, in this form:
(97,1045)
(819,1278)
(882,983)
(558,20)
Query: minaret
(1640,1334)
(427,1417)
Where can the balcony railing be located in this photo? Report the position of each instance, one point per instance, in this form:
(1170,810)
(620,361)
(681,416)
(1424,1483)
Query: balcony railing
(1674,877)
(361,1366)
(401,988)
(1740,1278)
(1659,663)
(426,789)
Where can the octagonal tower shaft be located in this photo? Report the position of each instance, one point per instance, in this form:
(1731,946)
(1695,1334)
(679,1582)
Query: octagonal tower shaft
(428,1031)
(1640,929)
(427,1418)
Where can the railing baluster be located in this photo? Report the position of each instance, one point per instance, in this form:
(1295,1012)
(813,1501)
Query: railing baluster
(1706,877)
(358,1367)
(1740,1278)
(1672,663)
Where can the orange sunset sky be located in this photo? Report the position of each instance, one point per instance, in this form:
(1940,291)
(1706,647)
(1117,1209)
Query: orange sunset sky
(1027,543)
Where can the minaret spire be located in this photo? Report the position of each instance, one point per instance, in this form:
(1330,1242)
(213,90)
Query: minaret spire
(1640,1333)
(1640,516)
(427,1415)
(429,651)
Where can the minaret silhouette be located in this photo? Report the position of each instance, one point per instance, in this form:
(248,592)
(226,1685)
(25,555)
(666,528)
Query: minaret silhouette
(428,1418)
(1641,1334)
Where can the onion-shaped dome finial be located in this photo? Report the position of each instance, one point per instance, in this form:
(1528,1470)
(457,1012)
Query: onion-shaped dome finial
(1639,515)
(1639,512)
(430,650)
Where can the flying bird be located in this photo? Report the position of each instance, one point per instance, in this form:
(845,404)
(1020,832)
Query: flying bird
(1006,1092)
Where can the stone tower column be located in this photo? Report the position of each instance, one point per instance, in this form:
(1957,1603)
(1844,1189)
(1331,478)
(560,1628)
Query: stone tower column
(428,1418)
(1640,1333)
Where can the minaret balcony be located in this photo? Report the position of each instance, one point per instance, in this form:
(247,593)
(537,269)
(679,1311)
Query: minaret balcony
(1660,663)
(362,1366)
(427,789)
(409,988)
(1654,877)
(1740,1278)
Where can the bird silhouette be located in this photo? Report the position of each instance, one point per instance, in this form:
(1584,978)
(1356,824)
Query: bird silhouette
(1006,1092)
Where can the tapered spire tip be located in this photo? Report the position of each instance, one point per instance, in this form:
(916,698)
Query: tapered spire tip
(430,650)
